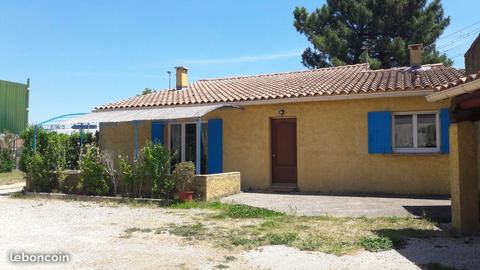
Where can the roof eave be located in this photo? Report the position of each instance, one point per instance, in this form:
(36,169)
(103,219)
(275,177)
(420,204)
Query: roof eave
(454,91)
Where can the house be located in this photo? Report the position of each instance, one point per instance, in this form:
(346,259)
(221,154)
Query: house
(343,129)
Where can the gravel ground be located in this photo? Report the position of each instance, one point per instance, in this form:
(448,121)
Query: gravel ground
(94,235)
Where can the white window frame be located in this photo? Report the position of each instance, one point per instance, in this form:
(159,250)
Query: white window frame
(182,132)
(415,148)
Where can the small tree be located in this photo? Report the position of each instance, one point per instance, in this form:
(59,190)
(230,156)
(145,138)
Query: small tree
(132,174)
(93,175)
(108,163)
(157,160)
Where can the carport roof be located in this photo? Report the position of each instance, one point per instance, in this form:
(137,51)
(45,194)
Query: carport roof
(139,114)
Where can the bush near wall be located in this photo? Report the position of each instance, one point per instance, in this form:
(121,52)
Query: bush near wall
(42,166)
(149,174)
(53,154)
(7,156)
(93,174)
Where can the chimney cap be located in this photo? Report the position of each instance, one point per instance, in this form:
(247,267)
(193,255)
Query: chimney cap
(416,46)
(181,67)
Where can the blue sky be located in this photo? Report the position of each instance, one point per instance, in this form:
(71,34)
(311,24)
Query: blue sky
(79,54)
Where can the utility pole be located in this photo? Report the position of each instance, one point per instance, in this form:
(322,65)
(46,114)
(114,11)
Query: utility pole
(169,79)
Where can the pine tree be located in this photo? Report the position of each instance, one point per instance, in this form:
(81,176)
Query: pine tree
(341,31)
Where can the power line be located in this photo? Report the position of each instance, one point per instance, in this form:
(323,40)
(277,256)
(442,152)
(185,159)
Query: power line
(457,46)
(459,30)
(457,40)
(459,37)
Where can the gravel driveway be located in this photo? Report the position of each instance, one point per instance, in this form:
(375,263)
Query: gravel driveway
(95,237)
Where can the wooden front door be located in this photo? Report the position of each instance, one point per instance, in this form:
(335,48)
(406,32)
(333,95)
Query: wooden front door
(284,150)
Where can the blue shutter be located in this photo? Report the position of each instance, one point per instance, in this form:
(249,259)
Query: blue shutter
(444,134)
(157,132)
(215,158)
(379,132)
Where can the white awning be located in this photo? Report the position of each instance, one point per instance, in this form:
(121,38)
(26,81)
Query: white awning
(160,113)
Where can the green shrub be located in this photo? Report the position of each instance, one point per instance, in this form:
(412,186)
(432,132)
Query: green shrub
(156,161)
(132,175)
(93,175)
(7,160)
(183,176)
(73,151)
(44,167)
(69,144)
(376,243)
(39,174)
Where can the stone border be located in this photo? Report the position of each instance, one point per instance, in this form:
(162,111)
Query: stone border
(87,198)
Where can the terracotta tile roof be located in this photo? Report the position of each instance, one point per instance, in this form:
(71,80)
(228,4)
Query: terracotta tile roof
(459,81)
(344,80)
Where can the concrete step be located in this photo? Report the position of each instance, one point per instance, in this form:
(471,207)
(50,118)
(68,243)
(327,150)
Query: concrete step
(283,188)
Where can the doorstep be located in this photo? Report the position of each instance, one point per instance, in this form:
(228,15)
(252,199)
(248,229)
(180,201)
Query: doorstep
(282,188)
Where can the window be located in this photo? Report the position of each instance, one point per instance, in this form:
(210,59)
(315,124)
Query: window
(416,132)
(183,142)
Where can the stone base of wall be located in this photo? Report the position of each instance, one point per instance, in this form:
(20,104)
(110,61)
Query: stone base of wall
(214,186)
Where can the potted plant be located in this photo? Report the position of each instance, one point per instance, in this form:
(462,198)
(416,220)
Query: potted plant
(183,176)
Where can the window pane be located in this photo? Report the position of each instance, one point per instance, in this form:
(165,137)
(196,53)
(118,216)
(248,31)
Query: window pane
(403,131)
(176,142)
(191,143)
(427,130)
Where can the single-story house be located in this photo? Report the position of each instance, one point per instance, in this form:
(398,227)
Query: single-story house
(346,129)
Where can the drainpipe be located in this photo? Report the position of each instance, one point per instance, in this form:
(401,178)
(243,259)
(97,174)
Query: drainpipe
(135,140)
(198,162)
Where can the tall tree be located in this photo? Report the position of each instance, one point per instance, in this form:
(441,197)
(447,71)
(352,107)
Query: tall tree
(342,30)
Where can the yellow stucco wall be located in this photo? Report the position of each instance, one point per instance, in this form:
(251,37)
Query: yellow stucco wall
(332,147)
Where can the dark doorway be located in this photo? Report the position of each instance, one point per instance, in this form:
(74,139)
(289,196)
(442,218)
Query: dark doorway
(284,150)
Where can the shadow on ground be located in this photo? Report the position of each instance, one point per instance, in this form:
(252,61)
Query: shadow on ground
(435,249)
(438,213)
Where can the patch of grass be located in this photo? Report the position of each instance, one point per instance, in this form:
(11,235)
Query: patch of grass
(230,258)
(281,238)
(131,230)
(309,244)
(376,243)
(327,234)
(13,177)
(246,211)
(229,210)
(188,231)
(18,195)
(242,226)
(198,205)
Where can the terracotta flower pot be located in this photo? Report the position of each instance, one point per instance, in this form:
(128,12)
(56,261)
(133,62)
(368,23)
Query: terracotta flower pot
(185,196)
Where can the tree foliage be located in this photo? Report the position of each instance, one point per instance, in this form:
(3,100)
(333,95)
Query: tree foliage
(340,31)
